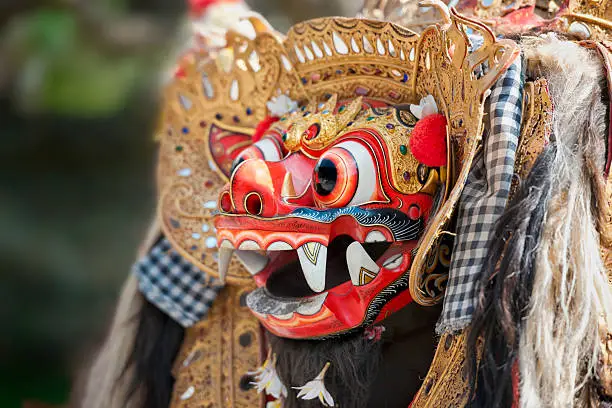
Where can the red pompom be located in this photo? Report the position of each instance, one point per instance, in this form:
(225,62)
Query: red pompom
(428,140)
(263,126)
(180,72)
(198,7)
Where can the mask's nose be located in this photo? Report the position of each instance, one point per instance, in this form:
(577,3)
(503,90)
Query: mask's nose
(251,190)
(267,189)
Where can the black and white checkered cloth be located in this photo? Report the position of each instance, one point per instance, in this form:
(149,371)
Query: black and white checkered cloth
(174,285)
(483,200)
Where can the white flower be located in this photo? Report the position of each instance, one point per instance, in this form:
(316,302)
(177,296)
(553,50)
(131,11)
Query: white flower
(426,107)
(280,105)
(267,379)
(274,404)
(316,388)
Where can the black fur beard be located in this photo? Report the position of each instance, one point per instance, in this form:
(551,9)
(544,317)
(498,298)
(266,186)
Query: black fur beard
(506,284)
(156,345)
(355,361)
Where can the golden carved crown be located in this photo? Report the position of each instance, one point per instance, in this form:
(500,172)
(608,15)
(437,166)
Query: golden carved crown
(268,75)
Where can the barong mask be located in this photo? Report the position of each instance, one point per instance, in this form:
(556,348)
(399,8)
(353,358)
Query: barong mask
(364,132)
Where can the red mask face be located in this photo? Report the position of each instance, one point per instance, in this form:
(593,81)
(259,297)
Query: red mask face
(325,210)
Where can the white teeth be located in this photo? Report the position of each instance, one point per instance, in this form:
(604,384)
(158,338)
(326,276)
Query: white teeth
(375,236)
(253,262)
(393,261)
(226,244)
(312,306)
(225,255)
(361,267)
(286,316)
(313,258)
(249,246)
(279,246)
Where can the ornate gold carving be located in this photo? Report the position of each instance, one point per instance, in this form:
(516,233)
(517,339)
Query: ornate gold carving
(187,202)
(445,69)
(536,128)
(353,57)
(330,123)
(446,384)
(216,355)
(605,367)
(588,19)
(244,76)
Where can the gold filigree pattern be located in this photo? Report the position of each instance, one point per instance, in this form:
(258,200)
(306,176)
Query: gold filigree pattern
(536,129)
(446,384)
(352,57)
(587,19)
(328,120)
(604,371)
(211,368)
(190,186)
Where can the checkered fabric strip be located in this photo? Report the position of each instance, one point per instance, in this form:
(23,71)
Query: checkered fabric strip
(174,285)
(483,199)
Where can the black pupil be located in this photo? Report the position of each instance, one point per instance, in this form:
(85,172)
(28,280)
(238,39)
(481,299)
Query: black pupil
(325,177)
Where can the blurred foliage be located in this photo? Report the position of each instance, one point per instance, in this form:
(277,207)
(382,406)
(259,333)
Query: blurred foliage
(73,62)
(62,73)
(79,88)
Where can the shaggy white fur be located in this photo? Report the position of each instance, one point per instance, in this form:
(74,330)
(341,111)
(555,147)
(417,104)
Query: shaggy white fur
(559,346)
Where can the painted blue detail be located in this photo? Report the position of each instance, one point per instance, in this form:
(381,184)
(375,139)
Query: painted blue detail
(401,226)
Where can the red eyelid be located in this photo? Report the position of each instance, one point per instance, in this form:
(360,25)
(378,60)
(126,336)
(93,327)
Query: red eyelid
(251,152)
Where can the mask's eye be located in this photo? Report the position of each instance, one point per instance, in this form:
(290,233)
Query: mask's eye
(345,176)
(267,149)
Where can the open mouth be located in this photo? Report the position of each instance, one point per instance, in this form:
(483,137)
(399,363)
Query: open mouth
(299,277)
(320,272)
(298,281)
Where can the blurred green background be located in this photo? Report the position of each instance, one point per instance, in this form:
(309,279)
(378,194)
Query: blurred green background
(79,86)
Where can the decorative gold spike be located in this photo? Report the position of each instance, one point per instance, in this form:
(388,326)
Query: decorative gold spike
(288,189)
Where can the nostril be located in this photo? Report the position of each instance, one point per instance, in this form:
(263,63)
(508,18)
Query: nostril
(225,202)
(252,204)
